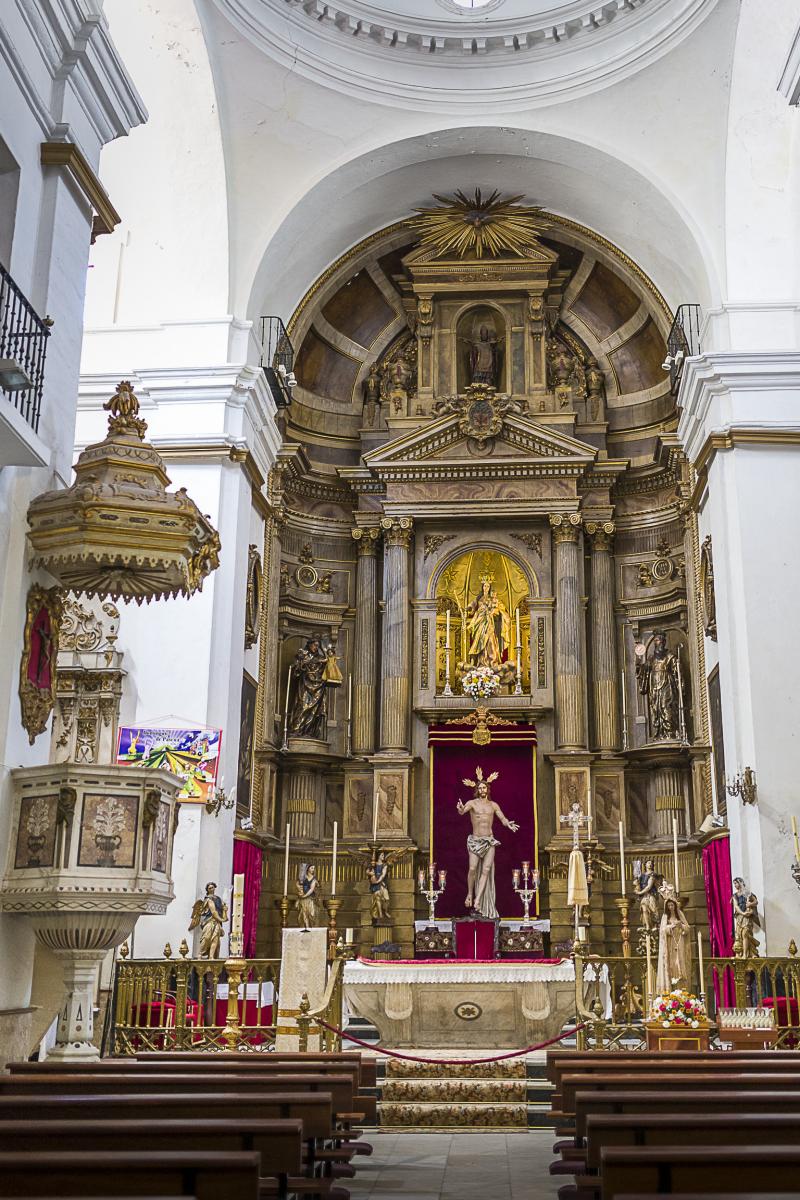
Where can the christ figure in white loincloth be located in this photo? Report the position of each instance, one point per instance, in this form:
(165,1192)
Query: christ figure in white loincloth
(481,843)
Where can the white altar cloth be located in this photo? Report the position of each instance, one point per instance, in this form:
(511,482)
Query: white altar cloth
(465,972)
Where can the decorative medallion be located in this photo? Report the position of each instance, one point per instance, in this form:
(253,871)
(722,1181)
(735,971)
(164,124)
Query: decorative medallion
(117,531)
(481,719)
(663,567)
(306,574)
(37,671)
(481,411)
(708,602)
(468,1011)
(255,587)
(473,227)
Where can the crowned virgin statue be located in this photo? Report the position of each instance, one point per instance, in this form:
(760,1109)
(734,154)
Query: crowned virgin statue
(674,948)
(489,627)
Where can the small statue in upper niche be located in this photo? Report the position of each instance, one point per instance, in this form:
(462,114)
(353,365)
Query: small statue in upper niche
(372,396)
(483,357)
(595,389)
(659,680)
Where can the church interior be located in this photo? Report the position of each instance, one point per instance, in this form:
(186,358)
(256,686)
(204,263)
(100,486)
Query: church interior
(398,654)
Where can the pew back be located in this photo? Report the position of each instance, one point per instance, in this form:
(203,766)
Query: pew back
(207,1175)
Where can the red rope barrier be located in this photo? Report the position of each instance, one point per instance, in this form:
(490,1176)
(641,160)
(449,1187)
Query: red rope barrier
(449,1062)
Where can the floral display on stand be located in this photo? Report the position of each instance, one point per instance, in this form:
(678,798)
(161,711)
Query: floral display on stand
(481,683)
(678,1009)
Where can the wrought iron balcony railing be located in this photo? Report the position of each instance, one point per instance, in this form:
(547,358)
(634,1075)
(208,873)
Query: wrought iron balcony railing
(683,342)
(23,347)
(277,360)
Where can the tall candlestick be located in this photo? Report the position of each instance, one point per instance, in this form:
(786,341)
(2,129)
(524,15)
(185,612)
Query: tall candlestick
(589,814)
(288,687)
(519,638)
(447,630)
(286,864)
(622,857)
(333,867)
(700,963)
(675,855)
(647,984)
(375,819)
(796,842)
(349,697)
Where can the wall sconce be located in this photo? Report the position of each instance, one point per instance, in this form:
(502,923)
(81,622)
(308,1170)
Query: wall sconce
(219,801)
(744,785)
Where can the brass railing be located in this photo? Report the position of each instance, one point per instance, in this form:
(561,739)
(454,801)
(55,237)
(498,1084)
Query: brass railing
(331,1011)
(183,1004)
(611,997)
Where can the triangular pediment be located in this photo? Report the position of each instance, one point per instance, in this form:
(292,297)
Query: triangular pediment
(441,450)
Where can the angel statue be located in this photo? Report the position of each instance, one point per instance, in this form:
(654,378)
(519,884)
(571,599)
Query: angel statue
(377,864)
(307,900)
(646,890)
(481,843)
(210,914)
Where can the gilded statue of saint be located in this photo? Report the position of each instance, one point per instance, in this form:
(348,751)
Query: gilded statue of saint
(313,672)
(674,949)
(378,877)
(481,843)
(658,678)
(307,899)
(646,887)
(210,914)
(489,627)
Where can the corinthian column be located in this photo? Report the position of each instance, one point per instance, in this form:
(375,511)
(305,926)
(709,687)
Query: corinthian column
(364,666)
(395,661)
(604,649)
(570,671)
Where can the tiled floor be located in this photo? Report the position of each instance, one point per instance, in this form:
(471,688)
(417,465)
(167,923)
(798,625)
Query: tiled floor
(457,1166)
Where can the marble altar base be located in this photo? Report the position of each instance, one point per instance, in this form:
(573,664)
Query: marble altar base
(461,1005)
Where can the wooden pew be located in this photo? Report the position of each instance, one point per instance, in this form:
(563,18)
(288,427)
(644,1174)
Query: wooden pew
(278,1143)
(699,1169)
(367,1064)
(558,1060)
(676,1082)
(684,1129)
(695,1102)
(207,1175)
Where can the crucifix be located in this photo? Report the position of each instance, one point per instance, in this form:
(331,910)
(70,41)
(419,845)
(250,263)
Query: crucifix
(576,818)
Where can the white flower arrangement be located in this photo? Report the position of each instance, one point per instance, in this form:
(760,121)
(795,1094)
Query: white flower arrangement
(481,683)
(678,1009)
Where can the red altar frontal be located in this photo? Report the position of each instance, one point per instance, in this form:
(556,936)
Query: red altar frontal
(509,761)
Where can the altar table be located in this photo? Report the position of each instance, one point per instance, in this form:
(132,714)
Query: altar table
(461,1005)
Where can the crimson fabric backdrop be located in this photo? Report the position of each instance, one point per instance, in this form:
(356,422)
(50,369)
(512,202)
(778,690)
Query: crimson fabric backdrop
(453,757)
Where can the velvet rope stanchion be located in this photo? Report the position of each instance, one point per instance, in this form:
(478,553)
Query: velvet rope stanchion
(449,1062)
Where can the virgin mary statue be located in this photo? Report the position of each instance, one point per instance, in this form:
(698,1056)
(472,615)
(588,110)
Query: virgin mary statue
(489,627)
(674,948)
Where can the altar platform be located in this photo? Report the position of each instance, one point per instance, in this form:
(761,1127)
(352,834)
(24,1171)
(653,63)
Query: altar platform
(447,1004)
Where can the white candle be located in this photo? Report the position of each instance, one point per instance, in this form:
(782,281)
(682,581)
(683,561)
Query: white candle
(519,639)
(333,868)
(237,918)
(796,843)
(700,962)
(447,633)
(349,936)
(622,858)
(647,984)
(375,819)
(349,697)
(675,855)
(589,813)
(288,686)
(286,865)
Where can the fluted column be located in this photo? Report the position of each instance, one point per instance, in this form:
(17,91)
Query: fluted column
(396,640)
(570,671)
(669,801)
(301,805)
(604,648)
(364,665)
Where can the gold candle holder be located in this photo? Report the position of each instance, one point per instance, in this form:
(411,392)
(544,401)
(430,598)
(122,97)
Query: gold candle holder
(623,903)
(234,969)
(334,904)
(284,906)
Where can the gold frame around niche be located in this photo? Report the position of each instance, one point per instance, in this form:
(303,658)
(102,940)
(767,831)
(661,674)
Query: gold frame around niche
(459,581)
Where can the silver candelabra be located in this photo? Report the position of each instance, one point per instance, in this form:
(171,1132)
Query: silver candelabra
(427,886)
(526,885)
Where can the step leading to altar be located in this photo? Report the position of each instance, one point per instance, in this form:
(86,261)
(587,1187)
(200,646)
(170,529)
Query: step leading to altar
(459,1005)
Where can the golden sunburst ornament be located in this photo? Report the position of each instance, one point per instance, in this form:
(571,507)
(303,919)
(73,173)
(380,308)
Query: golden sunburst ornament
(466,226)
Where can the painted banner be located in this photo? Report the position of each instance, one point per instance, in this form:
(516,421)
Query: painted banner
(191,754)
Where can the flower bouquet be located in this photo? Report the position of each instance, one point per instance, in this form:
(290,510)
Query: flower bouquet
(678,1010)
(481,683)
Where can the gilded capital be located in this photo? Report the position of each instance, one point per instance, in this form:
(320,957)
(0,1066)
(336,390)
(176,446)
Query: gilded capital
(601,533)
(397,531)
(565,526)
(366,540)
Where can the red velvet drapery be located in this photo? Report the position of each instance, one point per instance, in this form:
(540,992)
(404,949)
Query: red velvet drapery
(719,890)
(248,861)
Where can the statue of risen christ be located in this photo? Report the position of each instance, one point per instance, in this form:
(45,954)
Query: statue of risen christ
(481,844)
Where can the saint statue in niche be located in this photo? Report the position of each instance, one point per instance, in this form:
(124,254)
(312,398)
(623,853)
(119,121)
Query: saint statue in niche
(674,947)
(483,357)
(481,843)
(659,679)
(314,670)
(488,626)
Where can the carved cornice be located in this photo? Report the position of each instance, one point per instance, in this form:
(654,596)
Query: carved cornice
(397,531)
(565,527)
(601,534)
(67,155)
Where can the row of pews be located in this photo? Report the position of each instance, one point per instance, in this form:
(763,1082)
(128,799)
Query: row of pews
(683,1123)
(211,1126)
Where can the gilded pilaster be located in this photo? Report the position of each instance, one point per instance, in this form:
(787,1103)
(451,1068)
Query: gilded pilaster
(301,802)
(263,780)
(669,801)
(395,664)
(366,632)
(604,649)
(570,674)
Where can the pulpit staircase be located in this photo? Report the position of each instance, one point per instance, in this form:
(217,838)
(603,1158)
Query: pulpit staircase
(507,1095)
